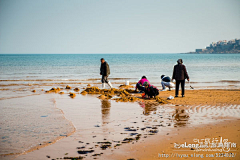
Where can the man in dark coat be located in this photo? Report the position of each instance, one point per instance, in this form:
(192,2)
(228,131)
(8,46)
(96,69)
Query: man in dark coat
(105,72)
(180,74)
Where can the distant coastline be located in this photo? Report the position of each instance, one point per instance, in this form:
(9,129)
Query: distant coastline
(220,47)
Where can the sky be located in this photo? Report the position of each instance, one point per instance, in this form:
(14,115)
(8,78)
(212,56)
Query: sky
(115,26)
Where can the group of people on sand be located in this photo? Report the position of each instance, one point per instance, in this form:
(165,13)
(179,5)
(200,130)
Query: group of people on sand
(143,85)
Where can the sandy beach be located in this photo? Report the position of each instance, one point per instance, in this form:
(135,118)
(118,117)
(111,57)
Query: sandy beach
(119,124)
(76,77)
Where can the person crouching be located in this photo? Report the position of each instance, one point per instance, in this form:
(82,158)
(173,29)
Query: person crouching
(140,86)
(150,90)
(166,82)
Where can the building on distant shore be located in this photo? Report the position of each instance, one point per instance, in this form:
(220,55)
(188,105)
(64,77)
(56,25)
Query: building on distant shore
(232,46)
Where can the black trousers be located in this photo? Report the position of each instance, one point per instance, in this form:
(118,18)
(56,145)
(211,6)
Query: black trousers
(141,88)
(182,86)
(104,79)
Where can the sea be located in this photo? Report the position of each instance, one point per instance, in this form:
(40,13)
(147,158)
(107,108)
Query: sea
(205,70)
(30,119)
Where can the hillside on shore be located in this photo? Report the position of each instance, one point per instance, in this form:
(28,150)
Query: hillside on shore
(225,47)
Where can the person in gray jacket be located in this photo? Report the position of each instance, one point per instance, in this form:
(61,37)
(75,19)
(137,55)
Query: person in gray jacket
(180,74)
(105,72)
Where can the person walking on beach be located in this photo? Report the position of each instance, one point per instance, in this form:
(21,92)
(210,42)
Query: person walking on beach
(105,72)
(180,74)
(166,82)
(139,85)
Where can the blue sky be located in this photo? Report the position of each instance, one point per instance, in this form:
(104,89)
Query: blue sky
(115,26)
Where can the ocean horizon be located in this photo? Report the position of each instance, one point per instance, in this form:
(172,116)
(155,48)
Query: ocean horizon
(204,69)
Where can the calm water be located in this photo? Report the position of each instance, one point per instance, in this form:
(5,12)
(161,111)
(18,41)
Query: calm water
(201,68)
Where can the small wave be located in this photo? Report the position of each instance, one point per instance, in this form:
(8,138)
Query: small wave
(230,81)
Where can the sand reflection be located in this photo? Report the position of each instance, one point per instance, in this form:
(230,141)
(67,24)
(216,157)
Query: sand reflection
(180,117)
(148,107)
(105,105)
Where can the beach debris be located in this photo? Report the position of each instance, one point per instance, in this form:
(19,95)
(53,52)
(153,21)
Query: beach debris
(68,87)
(112,91)
(129,129)
(97,154)
(190,85)
(117,145)
(154,131)
(160,100)
(104,142)
(129,98)
(53,90)
(125,86)
(83,92)
(102,97)
(123,95)
(131,91)
(34,91)
(105,146)
(76,89)
(128,140)
(85,151)
(48,156)
(133,134)
(91,90)
(138,136)
(97,125)
(75,158)
(105,96)
(72,95)
(170,97)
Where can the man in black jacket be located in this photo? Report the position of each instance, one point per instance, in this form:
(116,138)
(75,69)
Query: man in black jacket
(180,74)
(105,72)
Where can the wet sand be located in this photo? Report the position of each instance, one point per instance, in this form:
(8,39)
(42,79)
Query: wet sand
(106,129)
(162,147)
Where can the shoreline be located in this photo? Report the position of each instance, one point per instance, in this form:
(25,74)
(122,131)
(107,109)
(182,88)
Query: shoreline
(44,143)
(53,141)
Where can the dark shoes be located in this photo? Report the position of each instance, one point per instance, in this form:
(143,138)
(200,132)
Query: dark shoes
(177,96)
